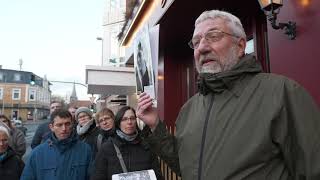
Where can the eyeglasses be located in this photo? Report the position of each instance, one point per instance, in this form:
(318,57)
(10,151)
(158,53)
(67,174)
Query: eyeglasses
(210,37)
(105,119)
(4,141)
(129,118)
(4,121)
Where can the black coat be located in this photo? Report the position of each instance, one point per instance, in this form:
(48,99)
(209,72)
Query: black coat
(90,137)
(136,155)
(103,136)
(11,166)
(42,133)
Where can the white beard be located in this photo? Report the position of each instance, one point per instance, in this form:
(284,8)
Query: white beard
(220,65)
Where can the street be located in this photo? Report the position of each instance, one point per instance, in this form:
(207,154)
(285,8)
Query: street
(31,126)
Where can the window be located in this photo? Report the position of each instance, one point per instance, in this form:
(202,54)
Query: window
(1,93)
(1,77)
(17,77)
(16,94)
(32,94)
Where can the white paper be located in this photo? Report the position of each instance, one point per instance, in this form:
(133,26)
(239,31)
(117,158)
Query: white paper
(150,91)
(136,175)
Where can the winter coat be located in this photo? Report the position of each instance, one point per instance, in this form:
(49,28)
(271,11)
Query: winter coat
(136,155)
(103,136)
(42,133)
(90,137)
(68,159)
(244,124)
(17,141)
(11,166)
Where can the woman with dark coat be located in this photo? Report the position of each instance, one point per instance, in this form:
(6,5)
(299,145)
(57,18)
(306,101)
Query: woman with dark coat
(17,139)
(11,165)
(135,152)
(105,121)
(86,128)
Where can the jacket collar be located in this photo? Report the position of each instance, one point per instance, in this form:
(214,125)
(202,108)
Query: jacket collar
(219,82)
(6,155)
(63,145)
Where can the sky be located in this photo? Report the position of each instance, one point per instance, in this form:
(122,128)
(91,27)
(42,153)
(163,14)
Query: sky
(56,38)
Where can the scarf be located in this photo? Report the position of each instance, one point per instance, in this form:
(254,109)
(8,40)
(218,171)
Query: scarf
(3,156)
(126,137)
(83,129)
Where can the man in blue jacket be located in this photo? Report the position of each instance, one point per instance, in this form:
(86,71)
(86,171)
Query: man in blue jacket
(62,155)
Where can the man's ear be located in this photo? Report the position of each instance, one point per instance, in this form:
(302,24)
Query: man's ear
(51,126)
(241,47)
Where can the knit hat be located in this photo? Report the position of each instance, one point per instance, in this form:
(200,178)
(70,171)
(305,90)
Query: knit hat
(83,109)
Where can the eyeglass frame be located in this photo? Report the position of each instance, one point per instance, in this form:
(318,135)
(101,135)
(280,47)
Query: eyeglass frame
(132,118)
(103,119)
(190,43)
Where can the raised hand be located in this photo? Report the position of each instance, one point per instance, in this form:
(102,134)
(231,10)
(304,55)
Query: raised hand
(146,112)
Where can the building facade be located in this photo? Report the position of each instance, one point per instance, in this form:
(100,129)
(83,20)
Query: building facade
(24,95)
(115,79)
(174,20)
(113,20)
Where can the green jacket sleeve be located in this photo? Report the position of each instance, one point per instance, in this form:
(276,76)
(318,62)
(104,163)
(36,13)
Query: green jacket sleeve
(165,146)
(297,132)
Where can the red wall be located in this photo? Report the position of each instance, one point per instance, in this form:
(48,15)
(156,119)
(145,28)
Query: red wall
(298,59)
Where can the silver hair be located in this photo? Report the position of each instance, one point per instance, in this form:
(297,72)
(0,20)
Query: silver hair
(5,130)
(232,21)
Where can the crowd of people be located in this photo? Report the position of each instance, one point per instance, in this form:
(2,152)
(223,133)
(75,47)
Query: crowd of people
(242,124)
(75,144)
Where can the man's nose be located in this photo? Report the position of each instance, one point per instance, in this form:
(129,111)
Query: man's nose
(64,127)
(204,46)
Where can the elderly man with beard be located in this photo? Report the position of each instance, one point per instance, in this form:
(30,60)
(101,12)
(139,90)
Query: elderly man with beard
(243,123)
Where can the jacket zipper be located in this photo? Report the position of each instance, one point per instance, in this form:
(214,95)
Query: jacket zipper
(203,139)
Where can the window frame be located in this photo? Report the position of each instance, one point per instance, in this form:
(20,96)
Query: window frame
(13,93)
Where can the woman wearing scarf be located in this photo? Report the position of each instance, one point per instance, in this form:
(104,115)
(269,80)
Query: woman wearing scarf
(11,165)
(105,121)
(86,128)
(135,152)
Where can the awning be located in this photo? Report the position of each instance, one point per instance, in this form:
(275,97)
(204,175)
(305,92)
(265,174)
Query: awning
(110,80)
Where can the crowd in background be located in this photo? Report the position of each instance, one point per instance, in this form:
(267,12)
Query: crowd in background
(75,144)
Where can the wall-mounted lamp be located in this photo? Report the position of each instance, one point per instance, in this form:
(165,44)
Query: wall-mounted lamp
(272,9)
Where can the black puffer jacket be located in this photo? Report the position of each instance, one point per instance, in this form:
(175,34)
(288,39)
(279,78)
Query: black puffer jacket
(136,155)
(11,166)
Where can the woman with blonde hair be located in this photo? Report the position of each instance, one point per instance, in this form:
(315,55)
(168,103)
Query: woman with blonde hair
(17,141)
(11,165)
(105,121)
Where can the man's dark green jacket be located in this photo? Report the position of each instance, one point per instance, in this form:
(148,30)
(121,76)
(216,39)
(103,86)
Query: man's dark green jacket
(244,124)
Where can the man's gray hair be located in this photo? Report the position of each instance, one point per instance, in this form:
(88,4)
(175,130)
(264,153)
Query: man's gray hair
(233,22)
(5,130)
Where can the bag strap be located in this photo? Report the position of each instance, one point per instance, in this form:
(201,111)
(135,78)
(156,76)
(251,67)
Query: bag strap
(99,141)
(123,166)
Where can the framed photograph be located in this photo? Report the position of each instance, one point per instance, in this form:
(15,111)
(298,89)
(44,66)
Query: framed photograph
(136,175)
(143,63)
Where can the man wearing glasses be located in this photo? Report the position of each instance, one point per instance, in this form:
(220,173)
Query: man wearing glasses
(62,155)
(43,130)
(243,124)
